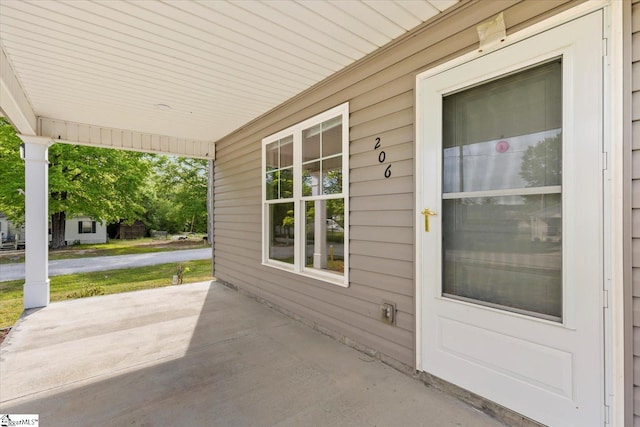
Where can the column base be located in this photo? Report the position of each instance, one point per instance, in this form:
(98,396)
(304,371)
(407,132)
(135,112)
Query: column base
(36,294)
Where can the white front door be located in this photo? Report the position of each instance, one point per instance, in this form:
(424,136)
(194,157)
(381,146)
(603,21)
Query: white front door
(509,223)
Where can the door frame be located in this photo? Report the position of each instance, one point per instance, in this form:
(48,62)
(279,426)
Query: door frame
(618,377)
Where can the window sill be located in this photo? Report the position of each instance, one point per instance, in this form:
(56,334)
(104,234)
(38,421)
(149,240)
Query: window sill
(333,279)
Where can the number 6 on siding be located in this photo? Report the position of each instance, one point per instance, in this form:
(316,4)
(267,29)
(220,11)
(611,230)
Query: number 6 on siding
(387,171)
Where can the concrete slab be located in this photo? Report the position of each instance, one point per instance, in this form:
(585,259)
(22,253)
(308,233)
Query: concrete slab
(202,355)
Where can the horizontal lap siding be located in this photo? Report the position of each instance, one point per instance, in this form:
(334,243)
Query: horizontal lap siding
(635,28)
(380,92)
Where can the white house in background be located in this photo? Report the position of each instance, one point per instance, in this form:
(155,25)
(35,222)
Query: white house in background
(80,229)
(85,230)
(9,232)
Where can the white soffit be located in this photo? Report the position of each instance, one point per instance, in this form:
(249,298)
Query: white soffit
(188,69)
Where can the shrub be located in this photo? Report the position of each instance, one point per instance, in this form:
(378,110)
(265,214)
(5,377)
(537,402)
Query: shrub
(87,291)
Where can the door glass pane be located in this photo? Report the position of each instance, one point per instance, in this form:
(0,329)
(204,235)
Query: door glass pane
(504,134)
(503,247)
(505,251)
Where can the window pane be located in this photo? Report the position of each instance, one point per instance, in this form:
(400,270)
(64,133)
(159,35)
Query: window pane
(271,184)
(86,227)
(286,183)
(332,175)
(279,184)
(332,137)
(279,177)
(324,248)
(311,179)
(272,156)
(286,152)
(505,251)
(505,134)
(311,143)
(281,232)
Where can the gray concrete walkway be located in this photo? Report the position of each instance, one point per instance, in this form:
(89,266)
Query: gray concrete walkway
(101,263)
(202,355)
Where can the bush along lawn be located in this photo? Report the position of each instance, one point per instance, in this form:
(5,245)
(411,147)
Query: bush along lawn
(82,285)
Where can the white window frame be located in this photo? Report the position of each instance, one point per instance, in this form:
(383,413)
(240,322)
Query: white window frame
(299,200)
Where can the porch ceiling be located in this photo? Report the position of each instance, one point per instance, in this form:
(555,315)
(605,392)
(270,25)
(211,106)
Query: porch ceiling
(187,69)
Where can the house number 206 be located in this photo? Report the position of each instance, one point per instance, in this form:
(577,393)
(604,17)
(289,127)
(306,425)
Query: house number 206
(382,156)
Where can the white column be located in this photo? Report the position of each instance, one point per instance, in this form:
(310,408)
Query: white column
(36,286)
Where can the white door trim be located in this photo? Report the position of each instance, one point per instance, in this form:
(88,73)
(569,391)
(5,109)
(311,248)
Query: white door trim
(617,125)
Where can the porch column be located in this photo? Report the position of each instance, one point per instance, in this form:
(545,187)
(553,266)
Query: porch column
(36,286)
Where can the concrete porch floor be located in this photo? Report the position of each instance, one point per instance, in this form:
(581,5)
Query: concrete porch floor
(202,355)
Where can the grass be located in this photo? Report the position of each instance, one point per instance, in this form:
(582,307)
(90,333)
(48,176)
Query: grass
(102,282)
(113,247)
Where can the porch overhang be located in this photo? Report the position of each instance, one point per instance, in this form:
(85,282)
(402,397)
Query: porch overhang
(174,77)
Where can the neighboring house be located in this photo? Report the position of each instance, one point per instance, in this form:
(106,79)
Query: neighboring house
(11,236)
(450,165)
(85,230)
(79,229)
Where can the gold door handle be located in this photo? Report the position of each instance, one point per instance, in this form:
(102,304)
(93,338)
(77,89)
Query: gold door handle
(427,213)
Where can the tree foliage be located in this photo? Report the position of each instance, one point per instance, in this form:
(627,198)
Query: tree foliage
(167,193)
(12,175)
(542,163)
(101,183)
(177,197)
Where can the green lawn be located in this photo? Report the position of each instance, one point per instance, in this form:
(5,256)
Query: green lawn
(103,282)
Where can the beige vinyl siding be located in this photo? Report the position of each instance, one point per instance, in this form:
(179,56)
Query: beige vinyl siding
(635,205)
(380,91)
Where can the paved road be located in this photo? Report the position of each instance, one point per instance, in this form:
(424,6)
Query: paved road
(84,265)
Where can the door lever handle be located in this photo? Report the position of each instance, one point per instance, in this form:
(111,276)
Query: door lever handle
(427,213)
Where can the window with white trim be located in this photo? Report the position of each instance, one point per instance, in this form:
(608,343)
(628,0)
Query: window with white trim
(305,202)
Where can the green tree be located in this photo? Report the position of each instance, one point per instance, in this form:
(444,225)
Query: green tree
(542,166)
(12,175)
(542,163)
(179,199)
(101,183)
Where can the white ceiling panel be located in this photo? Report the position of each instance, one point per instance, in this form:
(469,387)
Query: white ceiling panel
(217,64)
(395,12)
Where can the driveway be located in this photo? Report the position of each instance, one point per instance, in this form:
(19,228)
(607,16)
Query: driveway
(203,355)
(85,265)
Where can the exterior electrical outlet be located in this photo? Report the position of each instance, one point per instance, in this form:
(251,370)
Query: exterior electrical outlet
(388,313)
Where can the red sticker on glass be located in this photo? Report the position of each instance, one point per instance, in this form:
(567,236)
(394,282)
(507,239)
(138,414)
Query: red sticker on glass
(502,146)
